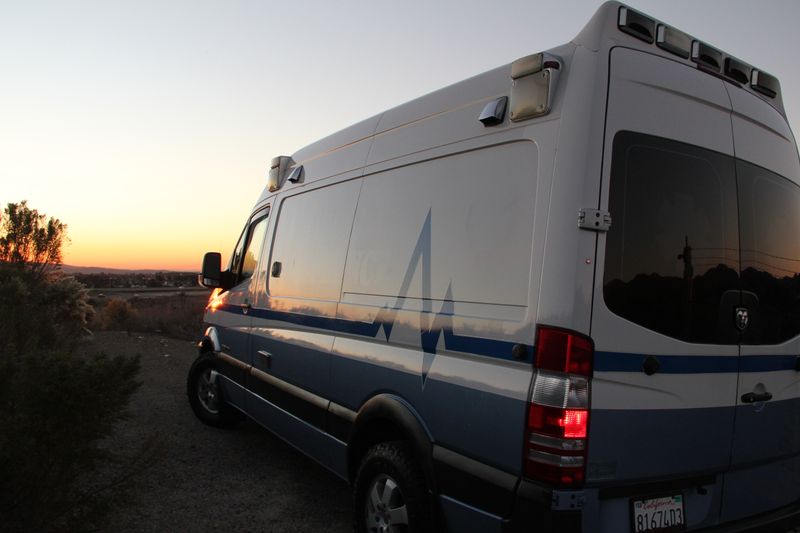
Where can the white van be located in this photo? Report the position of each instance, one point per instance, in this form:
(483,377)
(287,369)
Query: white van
(563,295)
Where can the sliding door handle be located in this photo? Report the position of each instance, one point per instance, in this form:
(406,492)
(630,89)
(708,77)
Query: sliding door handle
(267,358)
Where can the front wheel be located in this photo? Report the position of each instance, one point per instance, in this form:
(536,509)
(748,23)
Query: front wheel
(205,396)
(390,492)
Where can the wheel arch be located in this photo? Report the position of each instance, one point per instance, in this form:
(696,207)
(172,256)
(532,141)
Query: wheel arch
(384,418)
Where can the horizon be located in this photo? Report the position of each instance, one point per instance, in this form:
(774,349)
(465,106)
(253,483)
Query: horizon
(148,128)
(93,269)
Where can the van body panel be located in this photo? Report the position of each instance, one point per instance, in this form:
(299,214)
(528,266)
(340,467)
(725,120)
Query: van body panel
(341,140)
(428,231)
(307,438)
(233,333)
(576,183)
(427,380)
(463,517)
(432,122)
(762,135)
(660,96)
(565,252)
(445,293)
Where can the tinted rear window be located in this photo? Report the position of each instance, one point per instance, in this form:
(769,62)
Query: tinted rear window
(696,234)
(672,252)
(770,240)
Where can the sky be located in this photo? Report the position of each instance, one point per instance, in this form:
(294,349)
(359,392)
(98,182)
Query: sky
(148,126)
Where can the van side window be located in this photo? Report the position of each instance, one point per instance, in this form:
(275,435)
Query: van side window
(672,252)
(248,249)
(255,240)
(310,243)
(236,257)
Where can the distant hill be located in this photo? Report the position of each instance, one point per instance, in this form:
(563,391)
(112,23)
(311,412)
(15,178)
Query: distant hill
(70,269)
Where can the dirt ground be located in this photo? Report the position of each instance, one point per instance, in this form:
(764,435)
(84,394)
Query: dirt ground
(207,479)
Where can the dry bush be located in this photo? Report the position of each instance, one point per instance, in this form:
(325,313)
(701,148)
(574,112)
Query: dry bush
(41,311)
(179,316)
(118,315)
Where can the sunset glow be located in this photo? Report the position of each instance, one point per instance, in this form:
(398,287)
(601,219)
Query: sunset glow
(148,127)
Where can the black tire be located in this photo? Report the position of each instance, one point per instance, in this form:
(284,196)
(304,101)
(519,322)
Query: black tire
(205,397)
(390,493)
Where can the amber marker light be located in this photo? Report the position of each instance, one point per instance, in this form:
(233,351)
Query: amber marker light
(214,301)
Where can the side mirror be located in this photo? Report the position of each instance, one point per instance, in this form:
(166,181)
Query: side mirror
(211,275)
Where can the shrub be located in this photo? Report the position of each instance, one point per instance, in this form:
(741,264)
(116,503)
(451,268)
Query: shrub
(41,311)
(179,316)
(55,408)
(117,315)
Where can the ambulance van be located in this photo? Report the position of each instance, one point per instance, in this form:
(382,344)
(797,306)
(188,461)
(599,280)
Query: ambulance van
(562,295)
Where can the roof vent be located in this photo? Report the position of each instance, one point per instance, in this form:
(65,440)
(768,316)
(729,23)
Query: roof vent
(636,24)
(737,71)
(765,84)
(296,176)
(494,112)
(674,41)
(706,56)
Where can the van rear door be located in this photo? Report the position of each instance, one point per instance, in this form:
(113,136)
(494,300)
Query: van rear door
(667,350)
(765,469)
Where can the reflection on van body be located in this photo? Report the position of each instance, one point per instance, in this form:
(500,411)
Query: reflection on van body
(559,296)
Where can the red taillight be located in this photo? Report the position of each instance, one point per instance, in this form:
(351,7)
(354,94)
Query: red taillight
(556,422)
(558,416)
(563,351)
(574,423)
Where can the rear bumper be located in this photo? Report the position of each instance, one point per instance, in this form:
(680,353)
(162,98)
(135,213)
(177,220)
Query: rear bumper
(549,511)
(778,521)
(540,507)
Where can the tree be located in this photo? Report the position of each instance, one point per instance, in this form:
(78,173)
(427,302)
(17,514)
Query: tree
(57,404)
(39,306)
(29,239)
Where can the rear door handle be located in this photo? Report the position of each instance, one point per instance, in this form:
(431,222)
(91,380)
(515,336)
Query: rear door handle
(752,397)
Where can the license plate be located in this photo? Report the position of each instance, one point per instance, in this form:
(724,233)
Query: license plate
(658,515)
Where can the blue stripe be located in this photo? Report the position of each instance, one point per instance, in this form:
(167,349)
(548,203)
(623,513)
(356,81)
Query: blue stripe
(694,364)
(767,363)
(603,361)
(429,339)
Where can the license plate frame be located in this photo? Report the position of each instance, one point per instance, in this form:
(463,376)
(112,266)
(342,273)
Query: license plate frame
(659,513)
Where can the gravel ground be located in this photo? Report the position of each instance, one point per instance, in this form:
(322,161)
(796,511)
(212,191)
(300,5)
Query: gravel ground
(207,479)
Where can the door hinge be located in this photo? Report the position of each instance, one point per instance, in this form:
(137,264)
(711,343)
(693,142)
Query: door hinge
(594,219)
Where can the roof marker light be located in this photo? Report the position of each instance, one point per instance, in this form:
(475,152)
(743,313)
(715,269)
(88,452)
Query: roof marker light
(525,66)
(706,56)
(737,71)
(764,83)
(674,41)
(533,80)
(636,24)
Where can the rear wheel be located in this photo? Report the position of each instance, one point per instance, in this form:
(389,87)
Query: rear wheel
(390,492)
(205,396)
